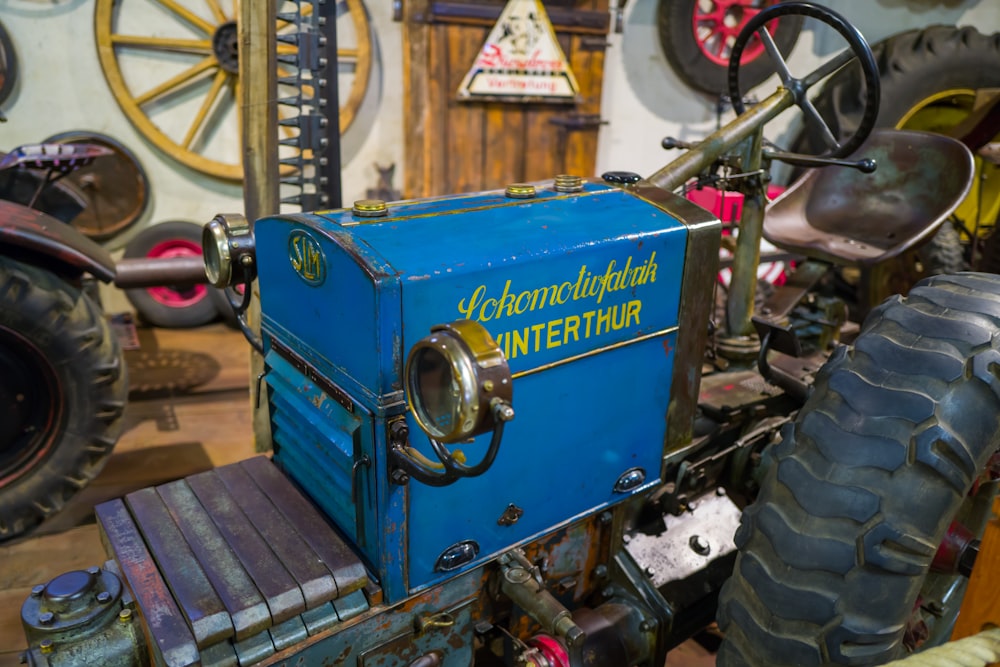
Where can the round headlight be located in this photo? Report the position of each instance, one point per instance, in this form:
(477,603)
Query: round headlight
(452,376)
(227,245)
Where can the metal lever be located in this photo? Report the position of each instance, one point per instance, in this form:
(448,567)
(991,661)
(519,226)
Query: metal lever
(671,142)
(866,165)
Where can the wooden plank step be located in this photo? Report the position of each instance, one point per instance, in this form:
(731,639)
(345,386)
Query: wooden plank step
(239,549)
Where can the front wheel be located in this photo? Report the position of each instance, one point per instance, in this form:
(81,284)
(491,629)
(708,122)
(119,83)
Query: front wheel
(62,394)
(835,552)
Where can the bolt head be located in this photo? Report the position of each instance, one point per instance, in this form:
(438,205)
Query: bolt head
(46,618)
(104,597)
(125,615)
(93,570)
(37,590)
(699,545)
(46,646)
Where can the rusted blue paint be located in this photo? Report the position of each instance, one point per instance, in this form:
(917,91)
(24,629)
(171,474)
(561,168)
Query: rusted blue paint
(580,290)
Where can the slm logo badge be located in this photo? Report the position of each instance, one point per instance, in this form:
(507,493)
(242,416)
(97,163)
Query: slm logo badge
(306,256)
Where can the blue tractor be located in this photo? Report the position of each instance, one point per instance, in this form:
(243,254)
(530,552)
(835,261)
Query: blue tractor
(518,427)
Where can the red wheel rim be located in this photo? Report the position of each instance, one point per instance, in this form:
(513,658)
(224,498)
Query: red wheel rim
(716,23)
(171,296)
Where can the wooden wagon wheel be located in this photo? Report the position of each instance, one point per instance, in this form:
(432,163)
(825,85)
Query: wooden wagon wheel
(177,79)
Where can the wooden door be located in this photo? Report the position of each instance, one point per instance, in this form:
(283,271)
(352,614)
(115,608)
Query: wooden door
(457,146)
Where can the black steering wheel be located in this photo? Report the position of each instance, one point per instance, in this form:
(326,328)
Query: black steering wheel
(858,49)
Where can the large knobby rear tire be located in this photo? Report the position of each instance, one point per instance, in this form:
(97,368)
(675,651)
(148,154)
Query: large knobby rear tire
(863,486)
(63,389)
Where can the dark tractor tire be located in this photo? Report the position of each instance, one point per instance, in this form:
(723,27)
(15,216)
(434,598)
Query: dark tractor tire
(916,68)
(943,253)
(864,484)
(63,388)
(170,306)
(989,261)
(702,64)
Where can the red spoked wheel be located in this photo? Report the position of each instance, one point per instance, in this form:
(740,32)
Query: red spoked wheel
(697,38)
(171,306)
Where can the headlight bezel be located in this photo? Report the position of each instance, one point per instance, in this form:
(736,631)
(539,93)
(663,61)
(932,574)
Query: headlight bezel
(478,374)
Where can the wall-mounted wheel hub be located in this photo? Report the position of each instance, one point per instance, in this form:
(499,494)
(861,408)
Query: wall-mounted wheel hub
(225,46)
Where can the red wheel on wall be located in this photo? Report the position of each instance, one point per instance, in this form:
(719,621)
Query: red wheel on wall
(697,37)
(172,306)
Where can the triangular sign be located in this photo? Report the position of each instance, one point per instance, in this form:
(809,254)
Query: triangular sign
(521,59)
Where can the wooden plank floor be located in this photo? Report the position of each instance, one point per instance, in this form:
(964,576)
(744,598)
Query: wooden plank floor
(188,411)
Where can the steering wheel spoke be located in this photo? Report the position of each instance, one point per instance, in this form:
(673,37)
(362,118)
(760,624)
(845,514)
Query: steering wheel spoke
(829,68)
(813,116)
(772,50)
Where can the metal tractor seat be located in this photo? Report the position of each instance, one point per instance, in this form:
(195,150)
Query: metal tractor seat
(849,218)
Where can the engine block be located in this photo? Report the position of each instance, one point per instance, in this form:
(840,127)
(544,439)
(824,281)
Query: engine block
(582,291)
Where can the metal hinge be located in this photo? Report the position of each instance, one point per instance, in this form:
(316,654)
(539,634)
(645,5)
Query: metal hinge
(578,121)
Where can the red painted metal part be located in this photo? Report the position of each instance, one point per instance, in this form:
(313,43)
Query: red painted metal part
(717,23)
(955,541)
(175,296)
(552,649)
(45,236)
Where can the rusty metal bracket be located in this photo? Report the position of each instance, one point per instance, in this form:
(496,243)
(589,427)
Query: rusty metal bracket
(578,121)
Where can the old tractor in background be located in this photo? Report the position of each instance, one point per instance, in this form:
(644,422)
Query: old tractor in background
(511,428)
(63,381)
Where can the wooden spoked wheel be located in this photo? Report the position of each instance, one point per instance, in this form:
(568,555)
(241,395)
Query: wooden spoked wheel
(172,66)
